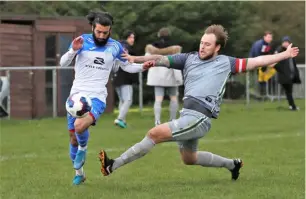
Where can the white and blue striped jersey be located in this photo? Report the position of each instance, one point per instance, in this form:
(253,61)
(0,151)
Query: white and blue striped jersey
(93,65)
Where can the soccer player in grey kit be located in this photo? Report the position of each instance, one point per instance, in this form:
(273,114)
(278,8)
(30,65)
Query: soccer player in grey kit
(205,75)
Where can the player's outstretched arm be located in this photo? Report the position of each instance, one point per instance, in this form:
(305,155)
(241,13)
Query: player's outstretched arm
(160,60)
(133,67)
(67,58)
(266,60)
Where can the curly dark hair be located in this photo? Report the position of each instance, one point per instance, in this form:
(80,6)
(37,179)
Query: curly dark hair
(102,18)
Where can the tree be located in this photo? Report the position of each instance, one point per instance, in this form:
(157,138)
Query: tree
(245,21)
(187,20)
(287,18)
(48,8)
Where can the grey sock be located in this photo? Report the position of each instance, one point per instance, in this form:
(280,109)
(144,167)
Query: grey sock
(124,109)
(120,104)
(207,159)
(157,110)
(137,151)
(173,109)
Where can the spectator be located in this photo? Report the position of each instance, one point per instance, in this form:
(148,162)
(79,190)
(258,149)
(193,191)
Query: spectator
(123,82)
(263,47)
(287,73)
(163,78)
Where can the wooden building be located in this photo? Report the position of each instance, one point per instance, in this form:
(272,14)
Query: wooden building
(39,41)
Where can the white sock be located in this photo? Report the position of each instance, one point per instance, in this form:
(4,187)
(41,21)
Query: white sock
(82,148)
(79,172)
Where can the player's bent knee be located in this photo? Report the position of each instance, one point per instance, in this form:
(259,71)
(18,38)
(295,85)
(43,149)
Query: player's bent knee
(81,124)
(153,135)
(78,125)
(160,133)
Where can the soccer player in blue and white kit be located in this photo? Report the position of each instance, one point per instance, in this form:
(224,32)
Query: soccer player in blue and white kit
(96,56)
(205,75)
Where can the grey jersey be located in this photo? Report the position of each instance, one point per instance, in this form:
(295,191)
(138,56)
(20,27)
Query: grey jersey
(206,79)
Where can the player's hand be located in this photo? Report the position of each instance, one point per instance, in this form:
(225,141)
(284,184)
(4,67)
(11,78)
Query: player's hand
(77,43)
(128,57)
(292,51)
(148,64)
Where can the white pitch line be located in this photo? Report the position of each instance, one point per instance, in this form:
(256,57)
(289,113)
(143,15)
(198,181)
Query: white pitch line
(237,139)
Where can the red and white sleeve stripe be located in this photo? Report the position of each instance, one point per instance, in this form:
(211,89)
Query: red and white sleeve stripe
(240,66)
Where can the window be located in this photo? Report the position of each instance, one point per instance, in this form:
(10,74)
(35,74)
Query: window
(65,41)
(57,44)
(50,46)
(50,58)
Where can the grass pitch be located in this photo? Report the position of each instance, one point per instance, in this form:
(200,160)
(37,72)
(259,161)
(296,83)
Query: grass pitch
(35,160)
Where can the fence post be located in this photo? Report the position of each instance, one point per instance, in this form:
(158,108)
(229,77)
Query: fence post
(54,92)
(140,93)
(247,87)
(8,75)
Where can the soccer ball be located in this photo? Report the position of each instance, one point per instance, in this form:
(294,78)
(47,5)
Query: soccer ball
(78,105)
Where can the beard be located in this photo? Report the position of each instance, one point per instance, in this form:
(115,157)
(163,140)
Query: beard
(100,42)
(207,57)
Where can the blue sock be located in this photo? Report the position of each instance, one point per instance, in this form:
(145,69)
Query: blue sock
(73,151)
(82,138)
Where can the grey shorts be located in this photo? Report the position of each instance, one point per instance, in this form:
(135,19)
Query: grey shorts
(125,92)
(160,91)
(188,128)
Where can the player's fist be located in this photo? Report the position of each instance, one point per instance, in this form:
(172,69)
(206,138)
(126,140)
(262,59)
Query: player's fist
(292,51)
(77,43)
(148,64)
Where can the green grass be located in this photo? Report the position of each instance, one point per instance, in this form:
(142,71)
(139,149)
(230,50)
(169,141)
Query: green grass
(35,161)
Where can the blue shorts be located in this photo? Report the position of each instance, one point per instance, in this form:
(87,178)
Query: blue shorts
(97,109)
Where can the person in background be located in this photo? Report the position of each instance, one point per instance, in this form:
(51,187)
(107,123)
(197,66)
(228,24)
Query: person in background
(263,47)
(164,79)
(123,82)
(287,73)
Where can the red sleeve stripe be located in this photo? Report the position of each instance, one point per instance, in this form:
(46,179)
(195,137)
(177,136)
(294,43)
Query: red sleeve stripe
(241,65)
